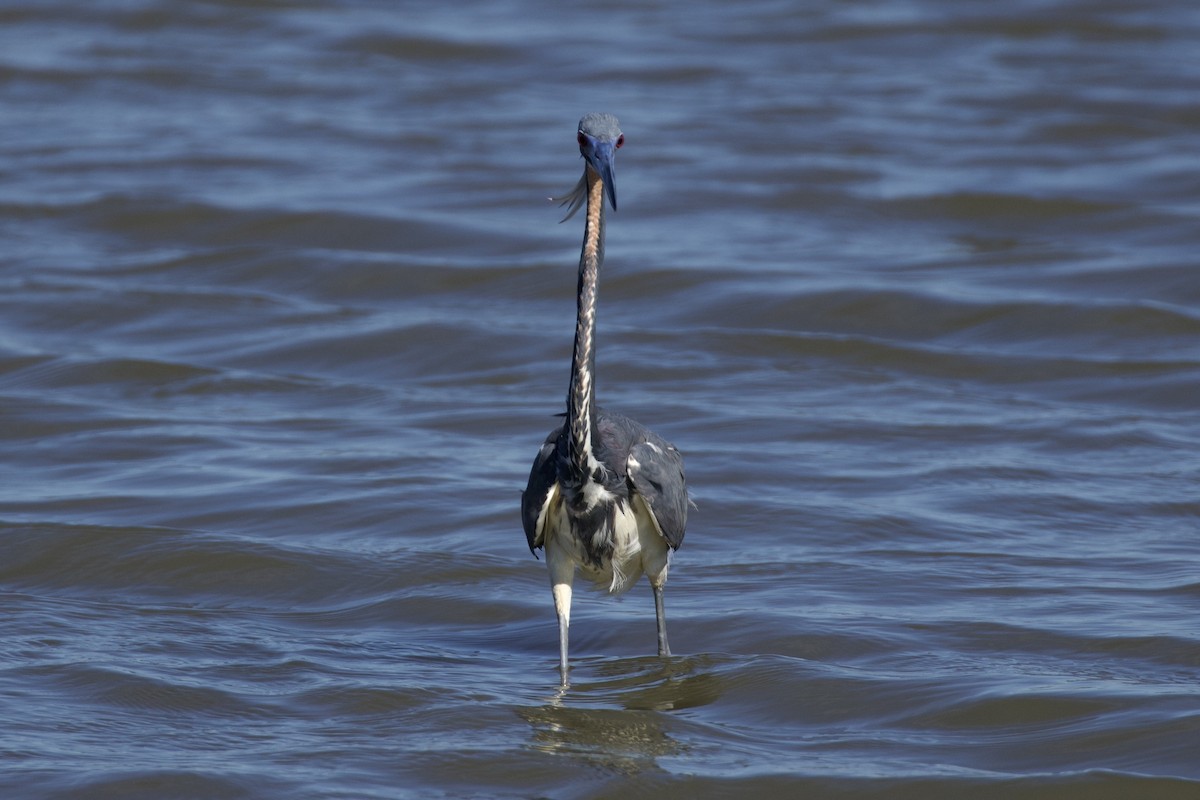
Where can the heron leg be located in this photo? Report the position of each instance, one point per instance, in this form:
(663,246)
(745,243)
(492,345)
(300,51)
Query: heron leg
(562,607)
(563,635)
(661,617)
(562,576)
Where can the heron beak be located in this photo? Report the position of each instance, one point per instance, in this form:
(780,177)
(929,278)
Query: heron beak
(600,157)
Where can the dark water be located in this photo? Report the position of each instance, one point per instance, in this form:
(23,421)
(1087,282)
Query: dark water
(285,315)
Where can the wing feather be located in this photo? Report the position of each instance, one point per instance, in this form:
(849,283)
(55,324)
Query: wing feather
(655,470)
(543,478)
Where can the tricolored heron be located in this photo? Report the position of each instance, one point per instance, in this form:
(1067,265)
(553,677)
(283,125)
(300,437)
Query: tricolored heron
(605,495)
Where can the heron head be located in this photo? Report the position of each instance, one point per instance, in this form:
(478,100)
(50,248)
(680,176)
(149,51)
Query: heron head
(599,139)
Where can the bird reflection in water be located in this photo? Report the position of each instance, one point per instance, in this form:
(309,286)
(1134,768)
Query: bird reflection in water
(617,720)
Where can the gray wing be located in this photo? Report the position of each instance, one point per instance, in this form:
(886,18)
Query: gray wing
(542,479)
(656,472)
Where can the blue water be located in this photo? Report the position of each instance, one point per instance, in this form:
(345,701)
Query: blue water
(285,315)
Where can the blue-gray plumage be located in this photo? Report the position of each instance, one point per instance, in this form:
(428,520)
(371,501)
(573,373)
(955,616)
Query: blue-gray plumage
(605,496)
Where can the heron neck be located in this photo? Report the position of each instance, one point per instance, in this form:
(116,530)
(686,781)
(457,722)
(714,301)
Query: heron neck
(581,400)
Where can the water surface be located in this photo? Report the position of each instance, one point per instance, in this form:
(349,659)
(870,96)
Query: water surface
(285,315)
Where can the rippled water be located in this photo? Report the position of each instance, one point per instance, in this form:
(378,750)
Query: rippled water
(285,316)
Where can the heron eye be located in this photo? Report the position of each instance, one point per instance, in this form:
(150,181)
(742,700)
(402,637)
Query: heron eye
(620,141)
(581,138)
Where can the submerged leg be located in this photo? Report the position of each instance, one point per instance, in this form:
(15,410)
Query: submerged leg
(660,615)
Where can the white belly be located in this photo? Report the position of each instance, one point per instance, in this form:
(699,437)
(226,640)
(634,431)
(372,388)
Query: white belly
(638,547)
